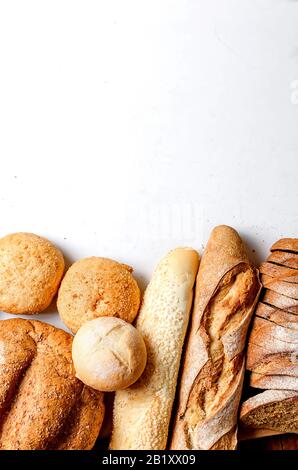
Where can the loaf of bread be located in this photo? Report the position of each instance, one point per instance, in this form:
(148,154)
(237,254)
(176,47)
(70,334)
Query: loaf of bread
(142,412)
(42,404)
(227,290)
(272,355)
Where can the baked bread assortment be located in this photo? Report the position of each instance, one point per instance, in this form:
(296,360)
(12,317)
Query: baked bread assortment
(31,269)
(108,354)
(272,356)
(227,289)
(142,412)
(96,287)
(42,404)
(176,386)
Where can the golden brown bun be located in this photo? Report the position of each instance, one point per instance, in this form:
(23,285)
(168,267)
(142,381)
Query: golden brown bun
(31,269)
(42,404)
(97,287)
(108,354)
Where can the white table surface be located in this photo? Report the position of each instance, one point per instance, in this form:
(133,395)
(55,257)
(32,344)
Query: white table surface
(130,127)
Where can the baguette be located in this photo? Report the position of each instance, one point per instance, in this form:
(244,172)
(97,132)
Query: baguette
(212,373)
(273,409)
(142,412)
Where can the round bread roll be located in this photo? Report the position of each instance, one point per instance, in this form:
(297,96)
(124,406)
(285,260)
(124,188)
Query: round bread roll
(97,287)
(31,269)
(108,354)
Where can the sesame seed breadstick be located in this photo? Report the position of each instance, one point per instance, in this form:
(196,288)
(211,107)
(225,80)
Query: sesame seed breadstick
(142,412)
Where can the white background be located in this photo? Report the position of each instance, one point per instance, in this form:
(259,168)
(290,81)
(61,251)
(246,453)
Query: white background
(130,127)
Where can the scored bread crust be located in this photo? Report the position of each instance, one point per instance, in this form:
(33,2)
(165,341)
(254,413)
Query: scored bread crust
(142,412)
(276,315)
(286,244)
(213,368)
(273,382)
(271,409)
(289,289)
(280,301)
(42,404)
(284,258)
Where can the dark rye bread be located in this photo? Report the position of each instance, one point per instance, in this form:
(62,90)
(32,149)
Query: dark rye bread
(42,403)
(272,409)
(227,289)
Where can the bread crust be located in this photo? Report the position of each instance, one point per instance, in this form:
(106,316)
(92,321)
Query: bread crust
(282,273)
(142,412)
(213,367)
(284,258)
(95,287)
(286,244)
(42,404)
(31,268)
(276,315)
(288,289)
(280,301)
(273,382)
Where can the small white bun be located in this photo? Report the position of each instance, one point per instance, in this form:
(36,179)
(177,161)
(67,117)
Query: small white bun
(108,354)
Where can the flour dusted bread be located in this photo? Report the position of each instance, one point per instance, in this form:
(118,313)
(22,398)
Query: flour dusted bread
(109,354)
(227,289)
(142,412)
(42,404)
(273,346)
(97,287)
(31,269)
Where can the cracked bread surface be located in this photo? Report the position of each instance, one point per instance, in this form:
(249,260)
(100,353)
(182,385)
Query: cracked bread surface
(42,404)
(227,289)
(96,287)
(31,269)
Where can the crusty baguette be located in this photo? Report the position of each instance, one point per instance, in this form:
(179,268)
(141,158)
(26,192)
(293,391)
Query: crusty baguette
(286,244)
(281,287)
(280,301)
(282,273)
(273,382)
(284,258)
(142,412)
(212,373)
(273,409)
(278,316)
